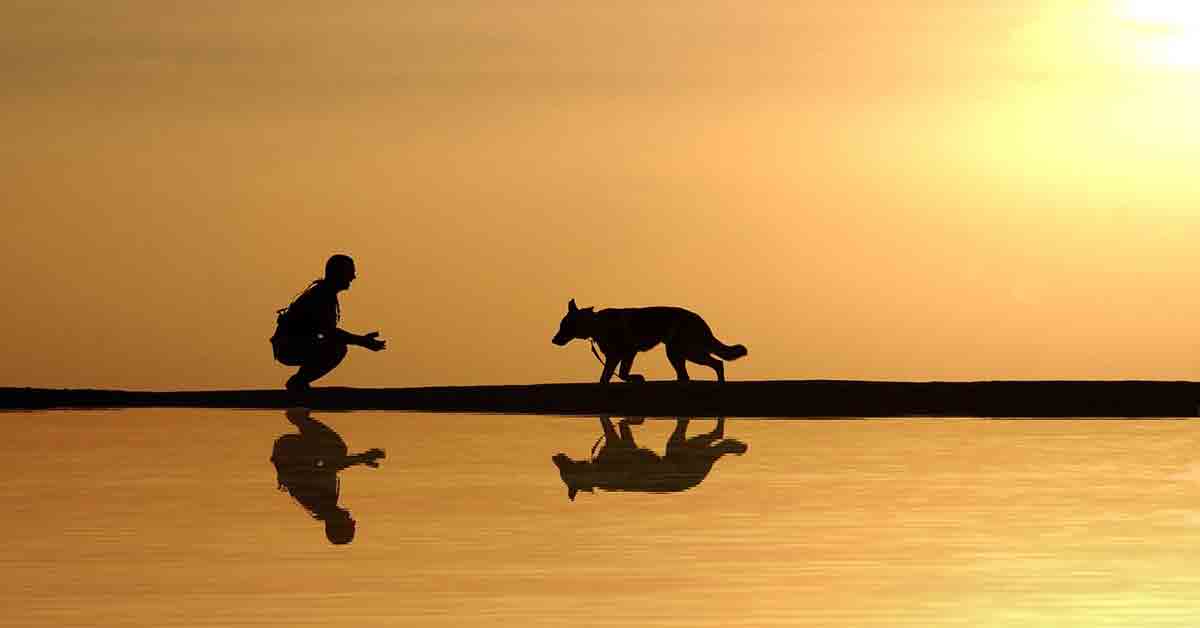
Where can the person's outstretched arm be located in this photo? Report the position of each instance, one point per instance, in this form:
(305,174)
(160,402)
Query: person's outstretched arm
(369,341)
(327,319)
(369,457)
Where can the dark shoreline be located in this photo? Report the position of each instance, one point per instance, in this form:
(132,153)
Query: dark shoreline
(803,398)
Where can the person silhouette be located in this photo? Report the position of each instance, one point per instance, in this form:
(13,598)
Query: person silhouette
(306,466)
(306,331)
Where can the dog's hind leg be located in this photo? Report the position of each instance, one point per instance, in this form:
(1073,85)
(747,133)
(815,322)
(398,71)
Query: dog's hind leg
(711,362)
(678,438)
(704,440)
(678,360)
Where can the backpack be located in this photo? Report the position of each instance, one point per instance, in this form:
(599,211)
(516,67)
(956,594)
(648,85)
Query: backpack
(283,322)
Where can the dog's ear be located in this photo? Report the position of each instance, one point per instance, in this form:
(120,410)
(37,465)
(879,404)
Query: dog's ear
(571,306)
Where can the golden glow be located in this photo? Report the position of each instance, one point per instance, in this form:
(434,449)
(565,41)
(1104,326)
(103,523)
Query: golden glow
(1167,31)
(922,190)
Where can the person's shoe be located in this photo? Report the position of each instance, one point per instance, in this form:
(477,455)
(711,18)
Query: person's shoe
(295,384)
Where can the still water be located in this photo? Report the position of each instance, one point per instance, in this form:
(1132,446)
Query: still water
(162,518)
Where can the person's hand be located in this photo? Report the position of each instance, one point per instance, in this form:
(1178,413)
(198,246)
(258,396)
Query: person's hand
(372,342)
(372,457)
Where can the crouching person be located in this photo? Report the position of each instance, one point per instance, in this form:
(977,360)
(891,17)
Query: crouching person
(307,333)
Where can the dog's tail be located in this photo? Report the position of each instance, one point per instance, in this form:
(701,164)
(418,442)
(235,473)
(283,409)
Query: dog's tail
(726,352)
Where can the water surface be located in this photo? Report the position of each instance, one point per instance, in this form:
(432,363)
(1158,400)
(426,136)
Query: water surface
(162,518)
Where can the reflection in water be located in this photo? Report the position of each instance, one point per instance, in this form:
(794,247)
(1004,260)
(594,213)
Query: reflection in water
(306,466)
(900,523)
(620,465)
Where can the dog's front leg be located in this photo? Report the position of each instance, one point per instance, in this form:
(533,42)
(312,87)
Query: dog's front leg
(609,366)
(610,432)
(623,371)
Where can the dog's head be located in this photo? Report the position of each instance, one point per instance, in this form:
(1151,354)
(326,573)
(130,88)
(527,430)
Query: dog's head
(572,325)
(574,474)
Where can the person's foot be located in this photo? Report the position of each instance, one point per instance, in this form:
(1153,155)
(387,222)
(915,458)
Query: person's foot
(295,384)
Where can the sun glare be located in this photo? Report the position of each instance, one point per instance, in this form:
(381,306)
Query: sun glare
(1167,31)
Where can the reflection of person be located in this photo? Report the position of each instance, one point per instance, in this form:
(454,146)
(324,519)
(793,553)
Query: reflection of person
(306,466)
(307,334)
(621,465)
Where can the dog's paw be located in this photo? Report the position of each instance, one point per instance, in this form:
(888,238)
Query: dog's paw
(635,378)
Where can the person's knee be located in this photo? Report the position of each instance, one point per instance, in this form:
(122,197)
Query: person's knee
(326,354)
(333,354)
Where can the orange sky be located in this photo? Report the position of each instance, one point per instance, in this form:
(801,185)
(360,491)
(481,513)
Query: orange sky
(885,190)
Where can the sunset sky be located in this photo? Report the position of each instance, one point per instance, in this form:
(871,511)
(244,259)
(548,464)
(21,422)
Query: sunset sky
(904,190)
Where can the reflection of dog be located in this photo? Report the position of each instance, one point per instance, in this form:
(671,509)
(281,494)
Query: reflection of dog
(622,333)
(621,465)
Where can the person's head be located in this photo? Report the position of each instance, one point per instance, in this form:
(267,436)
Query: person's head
(339,271)
(339,527)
